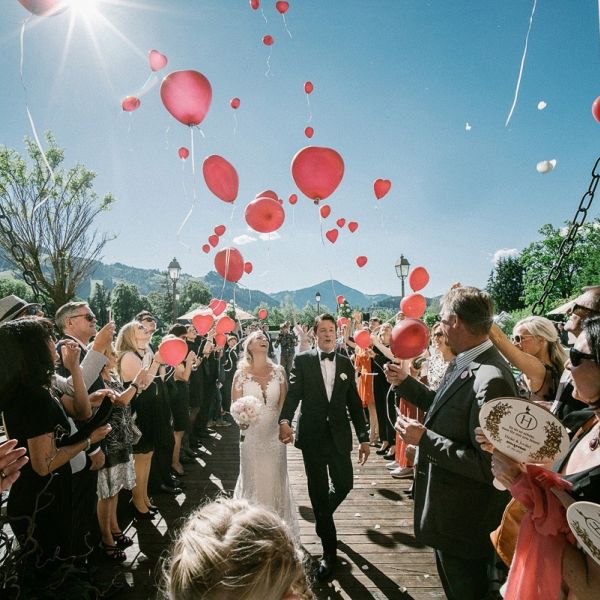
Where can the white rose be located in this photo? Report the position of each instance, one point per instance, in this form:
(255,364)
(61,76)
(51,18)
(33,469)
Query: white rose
(343,376)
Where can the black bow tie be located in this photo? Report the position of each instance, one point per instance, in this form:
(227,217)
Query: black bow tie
(327,355)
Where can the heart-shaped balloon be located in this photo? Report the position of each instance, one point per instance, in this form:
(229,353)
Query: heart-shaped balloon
(130,103)
(217,306)
(234,103)
(157,60)
(220,230)
(206,248)
(325,210)
(202,323)
(332,235)
(340,299)
(183,152)
(282,6)
(268,40)
(340,223)
(309,132)
(381,187)
(263,313)
(213,240)
(361,261)
(173,351)
(220,339)
(225,325)
(352,226)
(293,199)
(248,268)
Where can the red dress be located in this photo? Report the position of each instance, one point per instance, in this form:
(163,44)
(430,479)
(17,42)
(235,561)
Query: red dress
(362,364)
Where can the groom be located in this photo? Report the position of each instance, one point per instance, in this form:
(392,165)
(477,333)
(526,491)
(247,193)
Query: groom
(323,381)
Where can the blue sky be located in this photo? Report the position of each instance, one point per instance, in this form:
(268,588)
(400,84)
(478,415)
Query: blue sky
(395,84)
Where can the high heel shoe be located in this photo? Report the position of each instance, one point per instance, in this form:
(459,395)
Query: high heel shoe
(383,450)
(143,516)
(177,474)
(391,454)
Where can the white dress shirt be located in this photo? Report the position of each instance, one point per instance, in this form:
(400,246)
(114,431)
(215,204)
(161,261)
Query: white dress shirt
(328,372)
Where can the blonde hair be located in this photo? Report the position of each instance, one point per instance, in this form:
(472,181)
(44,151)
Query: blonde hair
(126,341)
(544,328)
(246,360)
(230,549)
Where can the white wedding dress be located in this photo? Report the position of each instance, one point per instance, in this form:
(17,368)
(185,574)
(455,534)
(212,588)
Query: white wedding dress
(263,477)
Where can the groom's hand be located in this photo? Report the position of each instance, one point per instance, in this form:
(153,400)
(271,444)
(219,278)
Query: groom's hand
(286,433)
(363,453)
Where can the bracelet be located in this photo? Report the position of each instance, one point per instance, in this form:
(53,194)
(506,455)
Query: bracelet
(135,386)
(285,421)
(88,442)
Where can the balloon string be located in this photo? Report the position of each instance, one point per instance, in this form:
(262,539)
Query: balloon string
(321,229)
(310,115)
(167,137)
(598,15)
(193,156)
(262,12)
(235,121)
(227,256)
(195,197)
(147,86)
(285,25)
(512,108)
(22,50)
(232,212)
(294,208)
(268,63)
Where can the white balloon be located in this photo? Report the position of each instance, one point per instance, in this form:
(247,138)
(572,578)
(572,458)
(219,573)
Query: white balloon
(545,166)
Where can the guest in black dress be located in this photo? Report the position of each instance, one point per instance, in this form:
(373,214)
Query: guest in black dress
(39,505)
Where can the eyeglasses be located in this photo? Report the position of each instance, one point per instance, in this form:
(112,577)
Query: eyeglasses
(32,310)
(440,319)
(88,317)
(582,311)
(517,339)
(575,357)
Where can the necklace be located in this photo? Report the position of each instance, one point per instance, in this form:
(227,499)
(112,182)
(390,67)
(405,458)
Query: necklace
(595,441)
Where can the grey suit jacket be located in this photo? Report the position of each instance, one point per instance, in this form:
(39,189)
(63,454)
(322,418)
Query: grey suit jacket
(456,506)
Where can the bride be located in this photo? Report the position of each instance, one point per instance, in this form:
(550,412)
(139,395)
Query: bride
(263,477)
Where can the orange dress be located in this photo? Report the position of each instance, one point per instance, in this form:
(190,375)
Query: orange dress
(362,364)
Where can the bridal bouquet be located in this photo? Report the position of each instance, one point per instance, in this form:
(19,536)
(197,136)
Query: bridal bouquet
(246,411)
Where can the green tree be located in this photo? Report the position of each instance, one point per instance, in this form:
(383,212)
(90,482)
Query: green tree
(125,302)
(9,286)
(52,218)
(99,302)
(580,267)
(193,294)
(505,284)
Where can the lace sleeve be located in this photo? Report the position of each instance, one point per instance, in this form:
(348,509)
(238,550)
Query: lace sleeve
(238,381)
(281,376)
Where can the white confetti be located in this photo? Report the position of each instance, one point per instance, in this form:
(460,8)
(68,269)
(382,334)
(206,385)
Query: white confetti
(541,105)
(373,483)
(467,126)
(545,166)
(377,526)
(357,514)
(403,590)
(365,567)
(426,576)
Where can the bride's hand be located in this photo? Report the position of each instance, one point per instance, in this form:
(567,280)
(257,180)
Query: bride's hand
(243,426)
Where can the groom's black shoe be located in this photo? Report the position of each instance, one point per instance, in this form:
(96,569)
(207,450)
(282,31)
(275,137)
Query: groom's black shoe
(326,567)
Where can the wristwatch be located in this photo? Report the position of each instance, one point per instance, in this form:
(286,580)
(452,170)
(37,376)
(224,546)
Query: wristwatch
(88,442)
(284,421)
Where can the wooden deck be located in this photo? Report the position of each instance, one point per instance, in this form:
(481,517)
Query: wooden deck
(378,555)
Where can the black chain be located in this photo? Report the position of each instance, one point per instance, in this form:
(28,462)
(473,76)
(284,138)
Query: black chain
(18,255)
(568,243)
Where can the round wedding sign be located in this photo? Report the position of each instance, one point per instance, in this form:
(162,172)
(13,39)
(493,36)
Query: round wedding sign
(584,521)
(523,430)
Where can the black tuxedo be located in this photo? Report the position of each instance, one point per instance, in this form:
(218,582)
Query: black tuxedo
(324,434)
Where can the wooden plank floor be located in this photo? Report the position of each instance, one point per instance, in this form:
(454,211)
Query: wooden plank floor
(378,555)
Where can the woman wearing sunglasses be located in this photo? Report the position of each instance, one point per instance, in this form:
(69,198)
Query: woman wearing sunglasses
(536,351)
(581,469)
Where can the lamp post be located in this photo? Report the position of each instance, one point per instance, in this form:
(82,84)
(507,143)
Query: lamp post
(318,301)
(174,269)
(402,266)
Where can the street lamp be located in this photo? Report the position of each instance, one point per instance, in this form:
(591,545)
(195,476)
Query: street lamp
(402,266)
(174,269)
(318,300)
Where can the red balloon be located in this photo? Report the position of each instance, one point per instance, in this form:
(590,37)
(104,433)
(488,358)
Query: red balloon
(361,261)
(186,95)
(596,109)
(340,223)
(264,215)
(352,226)
(317,171)
(254,4)
(157,60)
(217,306)
(206,248)
(220,339)
(267,194)
(225,325)
(309,132)
(173,351)
(418,278)
(220,230)
(293,199)
(282,6)
(409,338)
(362,338)
(332,235)
(213,240)
(325,210)
(44,8)
(268,40)
(342,321)
(309,87)
(234,103)
(248,268)
(413,305)
(340,299)
(381,187)
(221,177)
(202,323)
(183,153)
(263,313)
(130,103)
(229,264)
